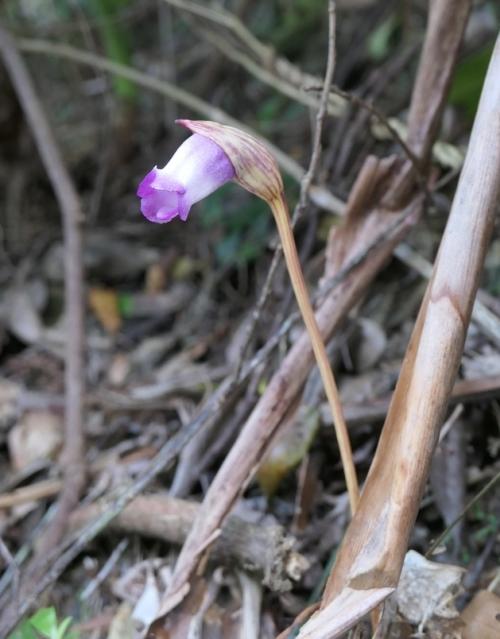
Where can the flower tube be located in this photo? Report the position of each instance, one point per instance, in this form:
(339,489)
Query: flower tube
(197,169)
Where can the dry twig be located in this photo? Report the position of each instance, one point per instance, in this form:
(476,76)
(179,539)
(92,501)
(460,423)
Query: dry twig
(466,390)
(262,549)
(73,458)
(439,540)
(320,195)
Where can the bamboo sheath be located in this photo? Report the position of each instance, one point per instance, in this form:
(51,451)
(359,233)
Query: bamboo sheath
(375,544)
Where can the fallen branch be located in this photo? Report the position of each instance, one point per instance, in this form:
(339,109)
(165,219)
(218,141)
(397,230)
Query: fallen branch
(261,549)
(33,492)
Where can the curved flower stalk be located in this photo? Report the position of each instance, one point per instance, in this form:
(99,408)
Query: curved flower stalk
(213,155)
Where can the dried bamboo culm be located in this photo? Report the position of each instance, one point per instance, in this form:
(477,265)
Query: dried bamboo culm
(371,557)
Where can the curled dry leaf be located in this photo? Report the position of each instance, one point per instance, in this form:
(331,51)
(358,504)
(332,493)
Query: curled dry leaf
(9,397)
(482,617)
(23,318)
(146,608)
(38,435)
(294,438)
(447,477)
(104,304)
(122,626)
(370,346)
(427,589)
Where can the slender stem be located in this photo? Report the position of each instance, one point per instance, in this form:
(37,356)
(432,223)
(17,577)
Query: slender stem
(280,212)
(469,505)
(73,459)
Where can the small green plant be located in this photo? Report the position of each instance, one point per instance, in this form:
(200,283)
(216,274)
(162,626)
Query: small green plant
(44,624)
(489,524)
(244,236)
(382,37)
(115,40)
(469,77)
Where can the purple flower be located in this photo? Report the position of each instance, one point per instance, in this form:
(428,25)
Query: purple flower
(197,168)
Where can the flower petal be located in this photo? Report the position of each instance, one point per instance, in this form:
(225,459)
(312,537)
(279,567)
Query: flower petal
(145,187)
(197,168)
(160,206)
(201,166)
(165,181)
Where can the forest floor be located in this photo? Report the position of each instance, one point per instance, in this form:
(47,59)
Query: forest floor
(171,371)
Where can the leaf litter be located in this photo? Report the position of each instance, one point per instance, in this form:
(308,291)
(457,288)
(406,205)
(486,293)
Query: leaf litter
(163,325)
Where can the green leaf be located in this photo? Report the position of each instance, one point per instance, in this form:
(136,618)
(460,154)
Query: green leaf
(227,250)
(380,40)
(244,230)
(24,631)
(125,304)
(295,25)
(63,627)
(45,622)
(115,41)
(469,77)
